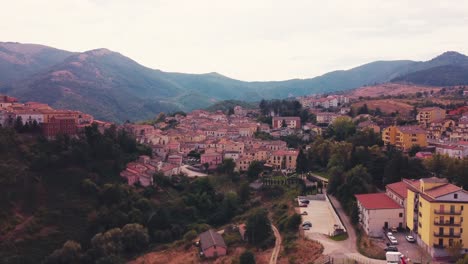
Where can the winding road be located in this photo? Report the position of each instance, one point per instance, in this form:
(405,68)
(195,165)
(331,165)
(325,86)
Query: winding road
(277,248)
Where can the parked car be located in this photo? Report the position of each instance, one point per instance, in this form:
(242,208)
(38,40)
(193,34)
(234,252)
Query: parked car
(393,240)
(307,223)
(306,227)
(304,201)
(410,239)
(303,205)
(394,229)
(391,248)
(389,234)
(304,213)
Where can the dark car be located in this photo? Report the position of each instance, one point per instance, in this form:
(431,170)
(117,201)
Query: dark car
(304,201)
(391,248)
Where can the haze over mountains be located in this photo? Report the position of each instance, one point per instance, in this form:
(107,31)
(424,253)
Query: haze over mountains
(115,88)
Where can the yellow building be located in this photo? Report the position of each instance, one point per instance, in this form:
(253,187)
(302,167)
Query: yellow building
(435,213)
(283,159)
(430,114)
(404,137)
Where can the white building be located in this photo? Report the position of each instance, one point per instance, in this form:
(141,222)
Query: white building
(378,211)
(454,151)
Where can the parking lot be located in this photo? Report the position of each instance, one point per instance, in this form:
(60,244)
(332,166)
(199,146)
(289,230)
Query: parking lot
(411,250)
(321,217)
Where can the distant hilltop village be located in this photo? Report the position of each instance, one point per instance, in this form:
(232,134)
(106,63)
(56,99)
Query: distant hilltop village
(41,118)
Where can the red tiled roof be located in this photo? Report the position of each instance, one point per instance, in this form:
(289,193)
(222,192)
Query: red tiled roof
(442,190)
(377,201)
(400,188)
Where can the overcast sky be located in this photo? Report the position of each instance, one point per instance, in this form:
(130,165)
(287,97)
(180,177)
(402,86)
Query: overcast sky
(244,39)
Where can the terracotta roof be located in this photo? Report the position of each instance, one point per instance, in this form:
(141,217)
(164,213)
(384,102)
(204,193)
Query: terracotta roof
(411,129)
(211,238)
(442,190)
(377,201)
(400,188)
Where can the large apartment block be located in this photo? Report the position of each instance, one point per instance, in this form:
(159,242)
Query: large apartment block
(428,115)
(404,137)
(435,213)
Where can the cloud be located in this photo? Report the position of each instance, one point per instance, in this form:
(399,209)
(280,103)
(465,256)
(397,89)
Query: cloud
(249,40)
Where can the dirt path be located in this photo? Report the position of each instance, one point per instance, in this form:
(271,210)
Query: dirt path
(276,250)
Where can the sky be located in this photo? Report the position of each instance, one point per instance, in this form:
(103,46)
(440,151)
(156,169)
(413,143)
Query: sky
(253,40)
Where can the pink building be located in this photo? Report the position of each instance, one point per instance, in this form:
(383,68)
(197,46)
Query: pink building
(212,244)
(291,121)
(213,159)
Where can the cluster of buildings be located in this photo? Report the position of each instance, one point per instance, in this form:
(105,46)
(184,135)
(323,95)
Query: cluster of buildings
(317,101)
(214,137)
(446,134)
(51,122)
(430,208)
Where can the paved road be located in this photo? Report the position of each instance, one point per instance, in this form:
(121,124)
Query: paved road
(191,173)
(346,249)
(276,250)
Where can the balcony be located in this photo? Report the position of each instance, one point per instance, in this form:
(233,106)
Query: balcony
(439,246)
(447,223)
(450,235)
(447,212)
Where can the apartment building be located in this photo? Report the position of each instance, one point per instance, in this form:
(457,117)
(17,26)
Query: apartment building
(435,210)
(427,115)
(404,137)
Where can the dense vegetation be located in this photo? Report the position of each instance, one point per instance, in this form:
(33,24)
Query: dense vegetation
(69,189)
(228,105)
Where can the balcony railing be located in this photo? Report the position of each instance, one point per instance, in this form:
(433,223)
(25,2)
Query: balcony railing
(449,212)
(454,235)
(438,246)
(447,223)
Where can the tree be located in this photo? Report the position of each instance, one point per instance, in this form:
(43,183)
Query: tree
(18,126)
(258,227)
(206,165)
(134,238)
(342,128)
(283,124)
(413,150)
(455,250)
(363,110)
(463,260)
(302,163)
(244,192)
(247,258)
(69,253)
(294,221)
(255,168)
(227,166)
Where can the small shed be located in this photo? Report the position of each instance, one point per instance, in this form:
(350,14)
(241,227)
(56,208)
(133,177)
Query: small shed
(212,244)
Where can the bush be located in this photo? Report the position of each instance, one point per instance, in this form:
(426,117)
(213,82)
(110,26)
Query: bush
(190,235)
(247,258)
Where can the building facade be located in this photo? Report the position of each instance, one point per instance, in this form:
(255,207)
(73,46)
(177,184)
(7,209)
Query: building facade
(377,212)
(435,212)
(428,115)
(404,137)
(289,121)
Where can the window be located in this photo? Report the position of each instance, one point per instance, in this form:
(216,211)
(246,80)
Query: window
(400,215)
(455,196)
(420,204)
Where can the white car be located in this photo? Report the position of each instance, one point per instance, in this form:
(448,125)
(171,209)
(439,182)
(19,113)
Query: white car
(410,239)
(393,240)
(389,234)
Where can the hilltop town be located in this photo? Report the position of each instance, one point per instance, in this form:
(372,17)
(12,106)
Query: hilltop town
(309,147)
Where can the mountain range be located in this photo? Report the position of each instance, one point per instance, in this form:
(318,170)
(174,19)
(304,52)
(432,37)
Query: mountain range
(115,88)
